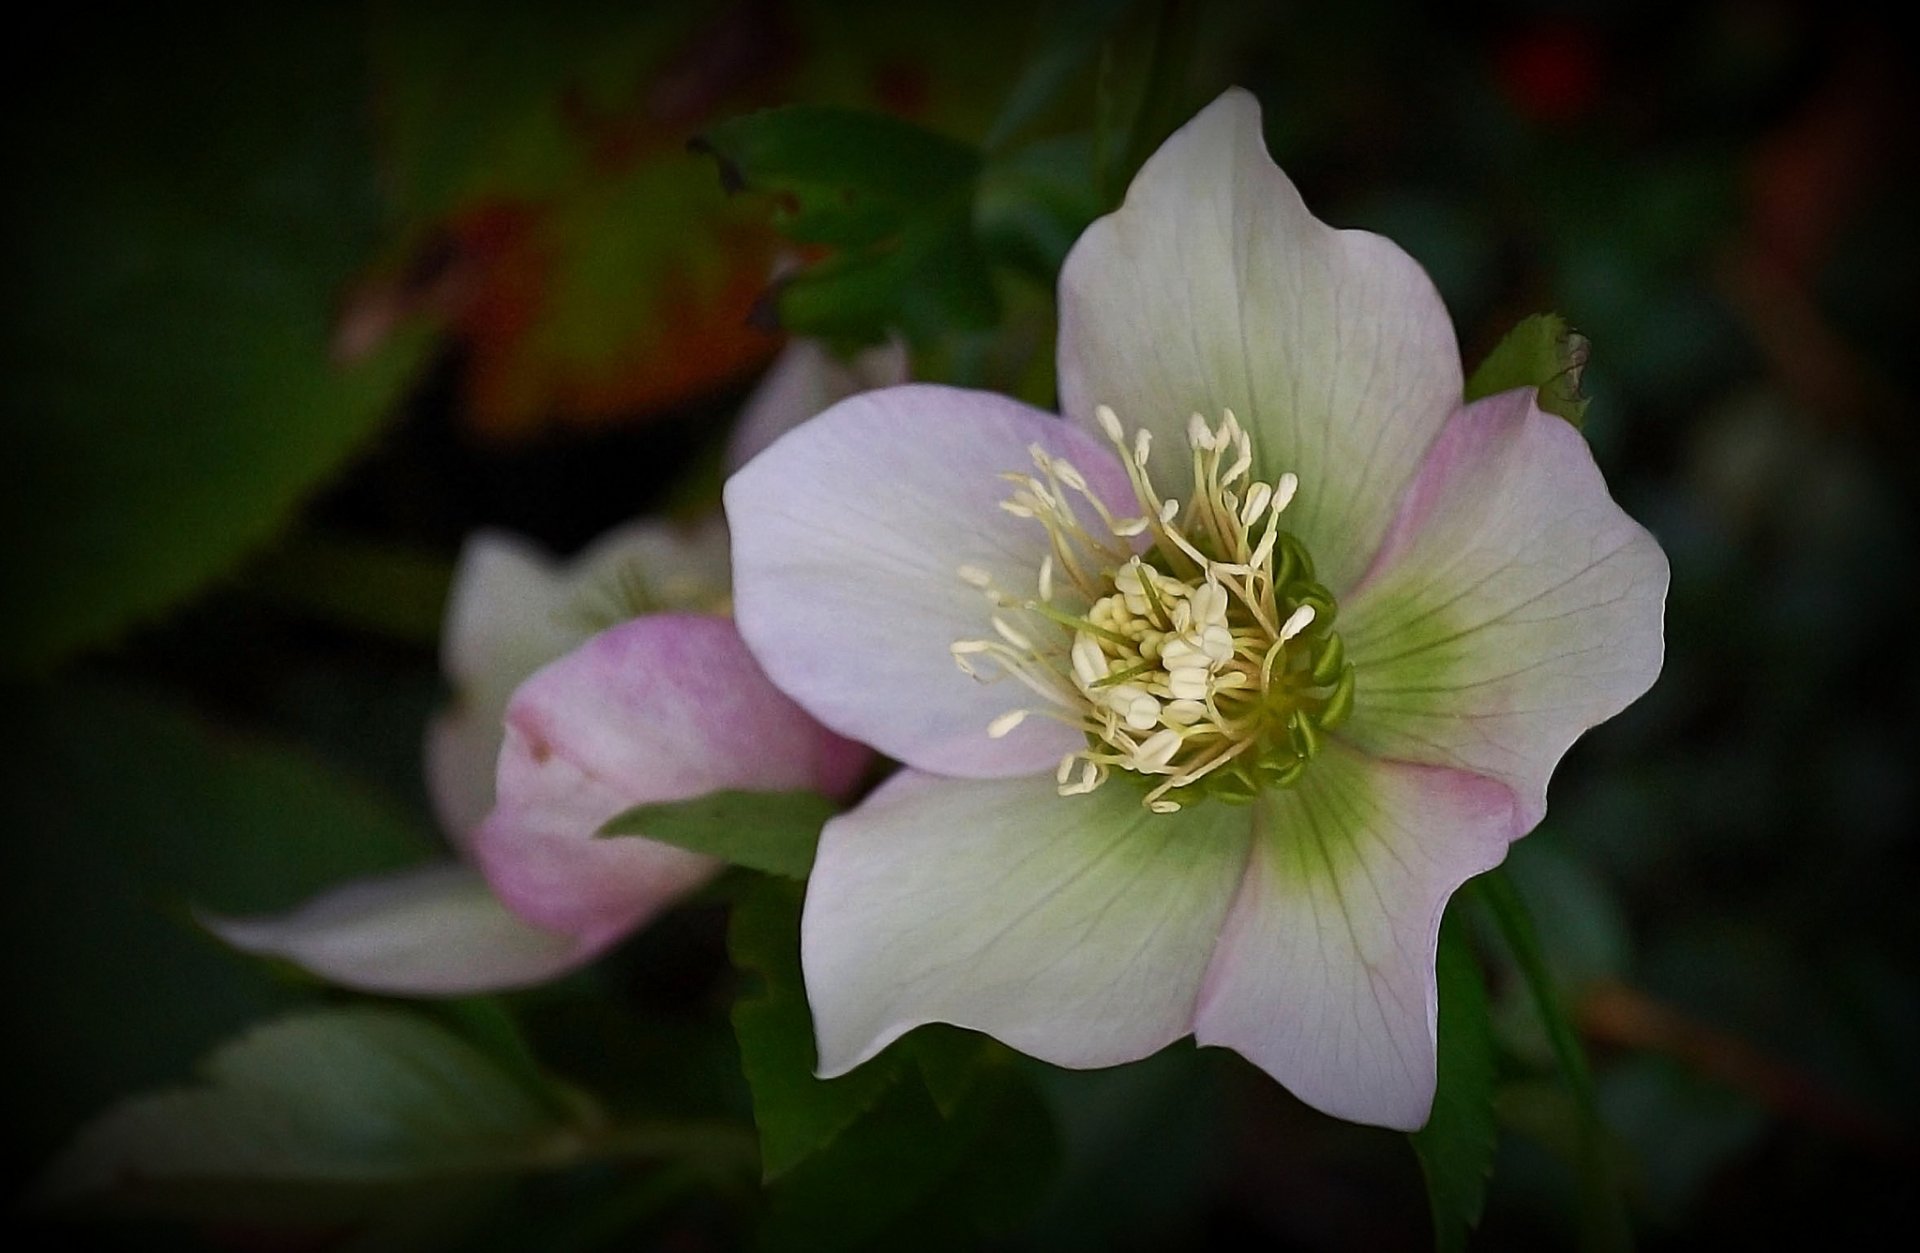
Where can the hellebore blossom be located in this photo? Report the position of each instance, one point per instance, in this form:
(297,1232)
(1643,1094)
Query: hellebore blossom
(581,690)
(1210,695)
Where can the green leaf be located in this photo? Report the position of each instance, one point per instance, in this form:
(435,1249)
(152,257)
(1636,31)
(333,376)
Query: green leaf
(187,212)
(798,1115)
(905,1176)
(1069,38)
(129,812)
(329,1112)
(894,201)
(1456,1146)
(1603,1218)
(1543,352)
(774,832)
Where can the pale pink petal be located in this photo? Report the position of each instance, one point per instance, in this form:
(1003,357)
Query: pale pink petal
(435,931)
(1513,606)
(806,379)
(848,538)
(1075,929)
(1214,288)
(663,708)
(514,608)
(1324,976)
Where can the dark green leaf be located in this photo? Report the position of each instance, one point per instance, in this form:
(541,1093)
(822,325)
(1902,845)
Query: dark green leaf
(773,832)
(1543,352)
(904,1176)
(189,205)
(1456,1146)
(1069,37)
(1603,1217)
(798,1115)
(894,201)
(344,1105)
(130,812)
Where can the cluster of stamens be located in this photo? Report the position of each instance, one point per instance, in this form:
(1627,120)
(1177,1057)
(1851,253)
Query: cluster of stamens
(1196,653)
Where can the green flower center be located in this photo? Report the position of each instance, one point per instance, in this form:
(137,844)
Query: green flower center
(1205,665)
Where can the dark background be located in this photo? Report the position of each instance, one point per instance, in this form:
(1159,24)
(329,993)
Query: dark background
(296,300)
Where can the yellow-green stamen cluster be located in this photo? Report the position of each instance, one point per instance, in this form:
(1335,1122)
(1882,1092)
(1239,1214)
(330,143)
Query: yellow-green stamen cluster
(1205,664)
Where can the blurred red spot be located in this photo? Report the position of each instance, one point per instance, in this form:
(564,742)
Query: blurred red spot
(1550,73)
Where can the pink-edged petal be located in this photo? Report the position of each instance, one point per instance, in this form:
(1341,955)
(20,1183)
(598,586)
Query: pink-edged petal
(1324,977)
(1075,929)
(434,931)
(848,538)
(1212,287)
(663,708)
(513,608)
(804,380)
(1513,605)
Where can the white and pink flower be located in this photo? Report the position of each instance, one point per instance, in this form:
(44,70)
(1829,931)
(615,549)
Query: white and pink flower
(581,689)
(1281,644)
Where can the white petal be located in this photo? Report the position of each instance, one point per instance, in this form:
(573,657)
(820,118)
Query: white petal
(848,539)
(434,931)
(1075,929)
(1214,288)
(804,380)
(1513,606)
(1325,971)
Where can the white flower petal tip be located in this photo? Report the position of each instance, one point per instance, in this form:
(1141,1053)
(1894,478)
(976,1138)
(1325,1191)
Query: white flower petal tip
(1212,288)
(434,931)
(1075,930)
(663,708)
(1513,605)
(1324,975)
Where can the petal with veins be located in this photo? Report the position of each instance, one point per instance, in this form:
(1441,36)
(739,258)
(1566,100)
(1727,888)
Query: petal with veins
(1513,605)
(1324,976)
(1212,287)
(1075,929)
(849,536)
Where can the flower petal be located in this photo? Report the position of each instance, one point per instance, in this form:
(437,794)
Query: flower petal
(805,379)
(513,608)
(434,931)
(1512,606)
(662,708)
(848,536)
(1075,929)
(1214,288)
(1324,976)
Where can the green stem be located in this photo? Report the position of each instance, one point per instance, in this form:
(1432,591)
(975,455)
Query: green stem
(1604,1224)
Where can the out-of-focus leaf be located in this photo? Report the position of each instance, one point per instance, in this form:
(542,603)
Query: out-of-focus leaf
(1603,1217)
(905,1176)
(128,812)
(320,1115)
(1543,352)
(383,589)
(1069,37)
(1681,1128)
(1113,1190)
(187,205)
(798,1115)
(552,215)
(893,200)
(774,832)
(1456,1146)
